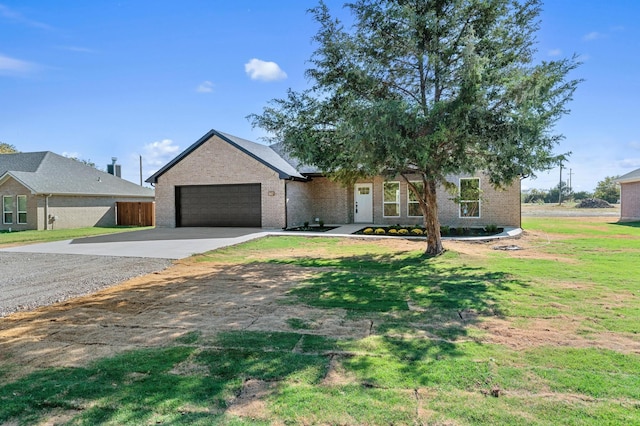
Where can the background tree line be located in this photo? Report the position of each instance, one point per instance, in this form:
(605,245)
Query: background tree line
(6,148)
(606,189)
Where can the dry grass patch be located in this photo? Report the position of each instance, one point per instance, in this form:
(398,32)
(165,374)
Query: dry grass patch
(250,403)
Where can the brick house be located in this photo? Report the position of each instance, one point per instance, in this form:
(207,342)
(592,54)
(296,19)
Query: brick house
(223,180)
(630,196)
(43,190)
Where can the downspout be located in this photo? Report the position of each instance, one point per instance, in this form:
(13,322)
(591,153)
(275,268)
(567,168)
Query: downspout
(46,212)
(286,202)
(520,199)
(520,215)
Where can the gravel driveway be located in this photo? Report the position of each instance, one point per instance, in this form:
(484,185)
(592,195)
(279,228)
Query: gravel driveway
(40,274)
(30,280)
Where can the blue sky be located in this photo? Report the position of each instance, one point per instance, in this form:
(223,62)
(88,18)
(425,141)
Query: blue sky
(101,79)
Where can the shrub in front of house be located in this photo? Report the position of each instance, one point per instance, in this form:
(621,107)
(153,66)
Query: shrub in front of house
(491,229)
(418,231)
(462,231)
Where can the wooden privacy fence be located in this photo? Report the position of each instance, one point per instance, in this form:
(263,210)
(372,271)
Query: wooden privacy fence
(135,213)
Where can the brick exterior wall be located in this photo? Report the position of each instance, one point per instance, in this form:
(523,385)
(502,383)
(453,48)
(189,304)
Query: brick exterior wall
(12,188)
(79,212)
(334,203)
(216,162)
(630,201)
(68,211)
(497,207)
(320,198)
(299,203)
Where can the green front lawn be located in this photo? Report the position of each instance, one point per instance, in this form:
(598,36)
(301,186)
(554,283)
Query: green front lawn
(29,237)
(543,336)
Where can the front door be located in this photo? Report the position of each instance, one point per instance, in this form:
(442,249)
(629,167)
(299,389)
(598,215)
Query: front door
(363,203)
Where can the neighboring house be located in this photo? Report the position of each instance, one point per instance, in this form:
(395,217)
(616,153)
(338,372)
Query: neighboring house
(630,196)
(43,190)
(223,180)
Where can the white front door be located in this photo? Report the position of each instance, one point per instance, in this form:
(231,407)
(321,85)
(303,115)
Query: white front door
(363,212)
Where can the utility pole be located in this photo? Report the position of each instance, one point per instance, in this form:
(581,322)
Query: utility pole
(141,170)
(570,186)
(560,187)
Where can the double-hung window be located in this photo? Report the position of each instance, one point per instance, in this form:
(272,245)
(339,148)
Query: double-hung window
(413,206)
(7,209)
(391,199)
(469,197)
(22,209)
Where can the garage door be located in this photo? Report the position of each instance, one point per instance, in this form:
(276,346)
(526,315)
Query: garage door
(219,205)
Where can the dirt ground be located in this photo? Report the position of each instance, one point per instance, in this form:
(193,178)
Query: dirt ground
(155,309)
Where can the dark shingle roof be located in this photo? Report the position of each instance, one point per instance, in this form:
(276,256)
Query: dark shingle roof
(22,162)
(49,173)
(305,169)
(262,153)
(633,176)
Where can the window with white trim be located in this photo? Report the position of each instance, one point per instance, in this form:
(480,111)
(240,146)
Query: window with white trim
(391,199)
(413,206)
(469,197)
(22,209)
(7,209)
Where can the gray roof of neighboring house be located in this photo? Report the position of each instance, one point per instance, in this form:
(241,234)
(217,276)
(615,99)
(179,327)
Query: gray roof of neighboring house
(262,153)
(633,176)
(49,173)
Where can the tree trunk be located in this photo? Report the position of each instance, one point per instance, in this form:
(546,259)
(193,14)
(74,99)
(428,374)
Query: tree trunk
(431,222)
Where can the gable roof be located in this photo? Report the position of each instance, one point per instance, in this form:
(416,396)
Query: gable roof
(49,173)
(305,169)
(633,176)
(261,153)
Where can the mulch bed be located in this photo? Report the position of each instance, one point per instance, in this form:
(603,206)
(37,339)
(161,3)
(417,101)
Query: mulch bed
(311,228)
(396,231)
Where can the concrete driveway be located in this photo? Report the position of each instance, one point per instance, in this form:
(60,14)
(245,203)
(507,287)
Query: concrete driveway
(178,243)
(158,243)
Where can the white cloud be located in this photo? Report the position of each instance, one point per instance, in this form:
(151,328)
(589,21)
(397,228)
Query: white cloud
(12,15)
(583,58)
(555,52)
(76,49)
(71,154)
(264,70)
(157,154)
(594,35)
(205,87)
(154,156)
(15,66)
(629,163)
